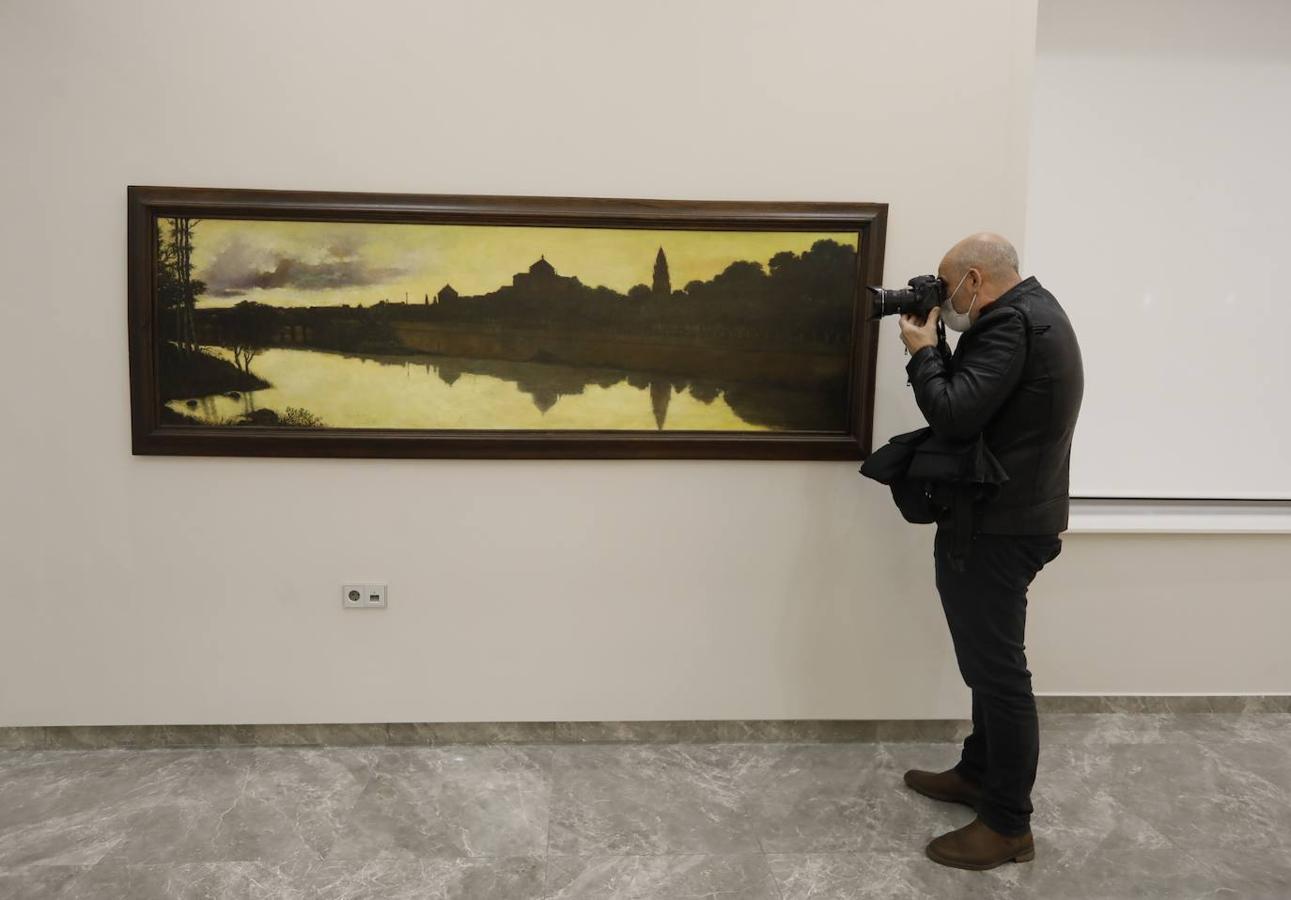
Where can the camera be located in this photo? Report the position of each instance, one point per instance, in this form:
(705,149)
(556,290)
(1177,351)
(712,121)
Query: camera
(925,293)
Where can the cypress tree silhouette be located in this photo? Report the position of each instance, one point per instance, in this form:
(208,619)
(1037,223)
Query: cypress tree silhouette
(662,285)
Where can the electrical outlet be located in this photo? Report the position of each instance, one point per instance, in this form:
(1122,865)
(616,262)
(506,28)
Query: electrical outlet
(363,596)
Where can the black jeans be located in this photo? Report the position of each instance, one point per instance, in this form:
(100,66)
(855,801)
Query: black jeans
(986,609)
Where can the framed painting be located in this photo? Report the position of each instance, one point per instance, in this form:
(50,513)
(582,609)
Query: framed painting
(290,323)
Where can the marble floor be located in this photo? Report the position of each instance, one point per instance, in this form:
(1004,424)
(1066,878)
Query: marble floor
(1127,805)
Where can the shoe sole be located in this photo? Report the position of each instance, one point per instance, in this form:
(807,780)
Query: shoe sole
(1025,856)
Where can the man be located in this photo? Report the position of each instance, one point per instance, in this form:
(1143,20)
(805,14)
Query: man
(1016,378)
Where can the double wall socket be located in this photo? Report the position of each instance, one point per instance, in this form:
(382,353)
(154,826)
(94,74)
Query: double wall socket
(363,596)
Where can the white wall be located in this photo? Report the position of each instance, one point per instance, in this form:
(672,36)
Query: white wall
(1158,207)
(183,590)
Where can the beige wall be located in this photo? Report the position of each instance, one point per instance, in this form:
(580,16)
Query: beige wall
(169,590)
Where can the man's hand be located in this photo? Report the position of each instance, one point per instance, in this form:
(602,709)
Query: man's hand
(916,335)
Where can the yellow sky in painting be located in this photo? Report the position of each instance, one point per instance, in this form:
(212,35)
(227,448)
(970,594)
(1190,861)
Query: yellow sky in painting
(330,263)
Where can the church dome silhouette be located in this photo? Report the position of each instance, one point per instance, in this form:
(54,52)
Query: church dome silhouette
(542,267)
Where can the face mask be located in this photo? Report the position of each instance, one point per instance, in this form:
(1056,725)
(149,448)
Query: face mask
(957,321)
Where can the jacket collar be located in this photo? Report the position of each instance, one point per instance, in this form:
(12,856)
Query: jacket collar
(1013,294)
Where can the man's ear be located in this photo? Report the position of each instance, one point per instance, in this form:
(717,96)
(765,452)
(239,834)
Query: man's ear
(974,279)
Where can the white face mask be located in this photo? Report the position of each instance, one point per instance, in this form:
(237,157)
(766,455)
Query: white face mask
(957,321)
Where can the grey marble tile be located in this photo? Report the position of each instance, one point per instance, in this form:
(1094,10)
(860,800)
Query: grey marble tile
(1081,804)
(176,805)
(849,798)
(452,801)
(506,878)
(1108,874)
(1193,795)
(57,807)
(37,882)
(1119,874)
(638,799)
(1249,873)
(246,804)
(1267,759)
(1272,728)
(1154,805)
(745,876)
(881,875)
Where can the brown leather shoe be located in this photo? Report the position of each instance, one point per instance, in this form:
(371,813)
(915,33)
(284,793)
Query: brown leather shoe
(949,786)
(978,846)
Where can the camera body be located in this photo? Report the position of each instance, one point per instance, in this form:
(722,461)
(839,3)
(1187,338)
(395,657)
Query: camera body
(924,294)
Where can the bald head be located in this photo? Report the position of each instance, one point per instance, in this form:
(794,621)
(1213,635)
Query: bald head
(987,265)
(989,253)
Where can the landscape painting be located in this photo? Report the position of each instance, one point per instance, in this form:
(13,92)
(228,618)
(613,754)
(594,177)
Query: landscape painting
(303,327)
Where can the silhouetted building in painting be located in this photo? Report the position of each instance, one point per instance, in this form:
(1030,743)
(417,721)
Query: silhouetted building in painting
(542,280)
(662,284)
(446,293)
(539,273)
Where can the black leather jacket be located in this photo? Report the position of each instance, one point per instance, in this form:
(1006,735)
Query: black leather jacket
(1024,403)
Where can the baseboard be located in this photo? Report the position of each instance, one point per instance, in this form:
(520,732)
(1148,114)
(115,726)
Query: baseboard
(1163,703)
(55,737)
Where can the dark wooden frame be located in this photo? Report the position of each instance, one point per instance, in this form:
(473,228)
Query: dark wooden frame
(147,204)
